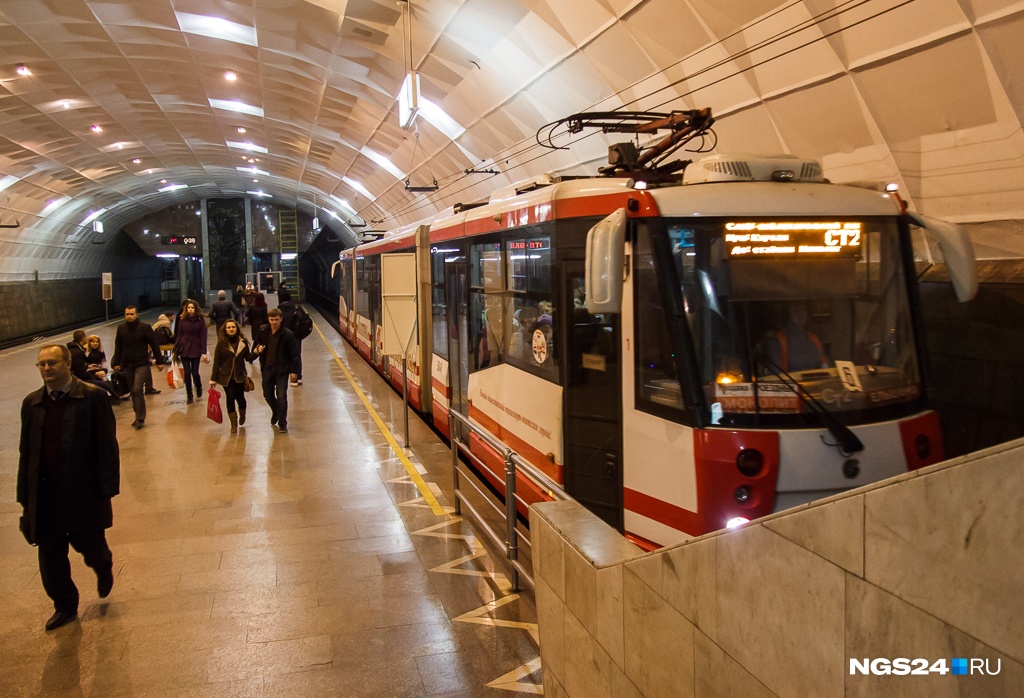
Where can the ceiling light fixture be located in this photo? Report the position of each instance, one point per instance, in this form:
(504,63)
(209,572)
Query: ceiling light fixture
(136,160)
(163,181)
(96,128)
(241,130)
(67,104)
(230,76)
(255,181)
(24,71)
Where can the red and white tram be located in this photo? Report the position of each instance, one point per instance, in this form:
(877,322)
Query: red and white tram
(716,350)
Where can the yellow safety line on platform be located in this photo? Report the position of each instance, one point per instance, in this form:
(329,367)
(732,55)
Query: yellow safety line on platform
(428,496)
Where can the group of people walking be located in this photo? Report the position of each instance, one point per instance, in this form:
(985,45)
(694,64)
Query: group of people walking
(69,462)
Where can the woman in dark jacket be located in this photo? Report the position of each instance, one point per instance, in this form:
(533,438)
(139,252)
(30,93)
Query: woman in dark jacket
(229,369)
(190,347)
(256,315)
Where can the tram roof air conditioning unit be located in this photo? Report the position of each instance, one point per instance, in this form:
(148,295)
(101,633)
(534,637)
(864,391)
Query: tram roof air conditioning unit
(753,168)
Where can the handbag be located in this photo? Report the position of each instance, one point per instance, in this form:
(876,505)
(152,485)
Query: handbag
(213,411)
(249,385)
(175,376)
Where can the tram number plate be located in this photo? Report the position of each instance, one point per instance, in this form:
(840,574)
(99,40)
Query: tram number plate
(595,362)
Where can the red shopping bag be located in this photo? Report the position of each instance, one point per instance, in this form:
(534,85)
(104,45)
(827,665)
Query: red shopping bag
(175,376)
(213,406)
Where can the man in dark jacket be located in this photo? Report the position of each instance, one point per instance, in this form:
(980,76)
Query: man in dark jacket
(132,343)
(288,308)
(279,354)
(69,470)
(223,310)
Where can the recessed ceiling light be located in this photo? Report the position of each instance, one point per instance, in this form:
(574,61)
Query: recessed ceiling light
(96,128)
(136,160)
(255,181)
(163,181)
(24,71)
(241,130)
(230,75)
(67,104)
(250,161)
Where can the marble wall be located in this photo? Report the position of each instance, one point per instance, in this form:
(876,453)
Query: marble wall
(927,565)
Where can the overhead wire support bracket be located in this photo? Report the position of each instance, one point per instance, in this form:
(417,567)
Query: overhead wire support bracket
(472,171)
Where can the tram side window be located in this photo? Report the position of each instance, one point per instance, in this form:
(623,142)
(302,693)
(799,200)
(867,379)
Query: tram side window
(532,341)
(345,283)
(438,304)
(657,376)
(486,305)
(362,294)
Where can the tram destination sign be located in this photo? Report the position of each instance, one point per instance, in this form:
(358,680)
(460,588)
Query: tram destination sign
(178,239)
(791,239)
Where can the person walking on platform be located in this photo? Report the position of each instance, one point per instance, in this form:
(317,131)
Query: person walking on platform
(278,351)
(256,314)
(291,316)
(68,471)
(223,309)
(229,370)
(190,348)
(132,343)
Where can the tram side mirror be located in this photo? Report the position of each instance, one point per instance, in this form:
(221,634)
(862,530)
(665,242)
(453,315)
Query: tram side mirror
(606,254)
(957,250)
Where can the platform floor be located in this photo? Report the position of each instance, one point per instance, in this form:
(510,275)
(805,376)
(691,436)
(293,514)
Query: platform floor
(298,564)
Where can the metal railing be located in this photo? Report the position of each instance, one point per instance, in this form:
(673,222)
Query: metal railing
(514,464)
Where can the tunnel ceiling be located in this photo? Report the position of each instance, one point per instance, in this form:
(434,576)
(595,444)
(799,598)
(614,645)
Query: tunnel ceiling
(924,92)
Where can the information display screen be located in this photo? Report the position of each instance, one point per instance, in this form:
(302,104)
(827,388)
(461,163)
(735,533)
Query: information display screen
(178,239)
(788,239)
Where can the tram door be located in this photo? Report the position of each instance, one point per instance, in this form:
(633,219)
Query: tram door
(456,295)
(593,412)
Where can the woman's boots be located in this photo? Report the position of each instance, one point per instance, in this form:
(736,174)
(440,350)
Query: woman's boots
(241,416)
(234,422)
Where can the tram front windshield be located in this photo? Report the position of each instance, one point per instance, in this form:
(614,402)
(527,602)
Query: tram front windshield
(783,309)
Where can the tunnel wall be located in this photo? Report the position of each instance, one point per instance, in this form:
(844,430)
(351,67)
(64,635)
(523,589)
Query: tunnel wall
(928,565)
(31,308)
(976,358)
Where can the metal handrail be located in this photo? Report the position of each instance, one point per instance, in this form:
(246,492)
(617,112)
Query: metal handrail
(513,461)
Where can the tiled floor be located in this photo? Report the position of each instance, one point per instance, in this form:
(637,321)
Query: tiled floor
(266,564)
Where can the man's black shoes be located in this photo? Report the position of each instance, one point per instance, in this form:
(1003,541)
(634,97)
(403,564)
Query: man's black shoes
(152,392)
(60,618)
(104,582)
(139,423)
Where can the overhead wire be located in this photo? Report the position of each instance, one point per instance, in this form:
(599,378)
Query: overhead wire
(809,23)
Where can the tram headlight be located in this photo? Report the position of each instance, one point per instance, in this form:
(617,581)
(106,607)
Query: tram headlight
(736,522)
(743,494)
(923,445)
(750,462)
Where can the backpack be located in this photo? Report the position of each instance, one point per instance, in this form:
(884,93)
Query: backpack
(302,323)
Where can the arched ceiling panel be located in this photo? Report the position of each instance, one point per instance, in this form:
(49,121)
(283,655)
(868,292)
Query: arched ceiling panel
(933,90)
(923,92)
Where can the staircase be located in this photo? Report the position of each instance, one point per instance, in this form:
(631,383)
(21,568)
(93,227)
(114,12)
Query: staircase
(288,237)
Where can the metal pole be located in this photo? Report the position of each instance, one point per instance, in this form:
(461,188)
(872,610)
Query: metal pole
(455,461)
(405,395)
(512,535)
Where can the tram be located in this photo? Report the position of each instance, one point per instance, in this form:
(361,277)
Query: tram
(679,356)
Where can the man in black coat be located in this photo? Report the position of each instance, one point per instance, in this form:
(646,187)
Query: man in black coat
(279,355)
(222,310)
(132,344)
(68,471)
(288,312)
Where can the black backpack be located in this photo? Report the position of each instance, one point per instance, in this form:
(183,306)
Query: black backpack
(302,323)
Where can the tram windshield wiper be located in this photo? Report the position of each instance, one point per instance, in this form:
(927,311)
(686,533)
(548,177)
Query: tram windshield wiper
(846,441)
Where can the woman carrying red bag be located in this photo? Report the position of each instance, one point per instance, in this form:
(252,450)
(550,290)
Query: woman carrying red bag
(190,347)
(229,370)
